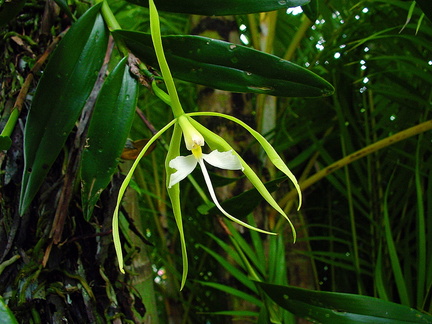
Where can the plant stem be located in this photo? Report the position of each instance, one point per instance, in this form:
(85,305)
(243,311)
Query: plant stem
(113,24)
(163,64)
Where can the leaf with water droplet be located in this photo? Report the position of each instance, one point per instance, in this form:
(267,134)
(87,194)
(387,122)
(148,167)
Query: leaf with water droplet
(221,7)
(62,91)
(340,308)
(228,66)
(109,127)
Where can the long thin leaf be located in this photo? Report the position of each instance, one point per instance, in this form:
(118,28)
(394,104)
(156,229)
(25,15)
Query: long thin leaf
(221,7)
(394,259)
(234,292)
(334,308)
(228,66)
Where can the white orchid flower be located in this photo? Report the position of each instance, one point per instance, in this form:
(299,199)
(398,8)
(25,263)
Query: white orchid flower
(184,165)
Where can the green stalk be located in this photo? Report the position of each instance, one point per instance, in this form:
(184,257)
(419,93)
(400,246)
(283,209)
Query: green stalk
(163,64)
(353,224)
(5,140)
(421,234)
(113,24)
(392,250)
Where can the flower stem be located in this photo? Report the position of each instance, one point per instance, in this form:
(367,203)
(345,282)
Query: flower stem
(163,64)
(113,24)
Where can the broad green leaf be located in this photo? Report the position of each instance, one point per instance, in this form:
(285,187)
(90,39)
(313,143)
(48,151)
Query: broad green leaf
(108,130)
(60,96)
(333,308)
(221,7)
(6,316)
(228,66)
(5,142)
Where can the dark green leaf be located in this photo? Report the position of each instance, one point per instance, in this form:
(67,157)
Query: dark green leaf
(5,143)
(333,308)
(6,316)
(227,66)
(221,7)
(311,10)
(60,96)
(108,130)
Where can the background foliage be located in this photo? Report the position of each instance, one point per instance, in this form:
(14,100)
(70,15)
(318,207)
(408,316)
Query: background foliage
(365,224)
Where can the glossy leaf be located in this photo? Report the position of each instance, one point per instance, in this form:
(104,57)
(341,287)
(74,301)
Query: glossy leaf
(108,130)
(333,308)
(6,316)
(221,7)
(227,66)
(60,96)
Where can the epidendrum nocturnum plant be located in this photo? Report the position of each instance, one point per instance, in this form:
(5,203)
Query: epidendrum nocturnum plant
(68,80)
(71,86)
(195,136)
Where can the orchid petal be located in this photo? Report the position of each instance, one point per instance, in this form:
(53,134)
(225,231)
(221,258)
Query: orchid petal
(216,202)
(217,142)
(184,166)
(223,160)
(268,148)
(174,195)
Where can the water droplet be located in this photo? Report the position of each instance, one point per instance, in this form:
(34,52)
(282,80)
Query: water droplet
(285,297)
(282,2)
(232,46)
(234,60)
(248,73)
